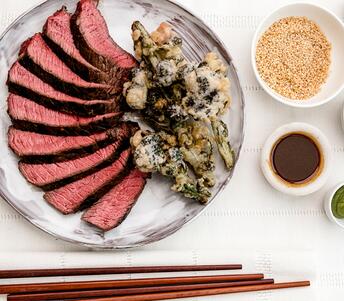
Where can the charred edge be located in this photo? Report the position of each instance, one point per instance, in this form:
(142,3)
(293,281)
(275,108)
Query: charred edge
(68,154)
(77,152)
(73,108)
(124,144)
(88,74)
(86,93)
(118,75)
(130,207)
(134,126)
(81,130)
(106,188)
(87,52)
(123,106)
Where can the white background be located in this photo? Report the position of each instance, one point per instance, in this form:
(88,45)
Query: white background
(249,217)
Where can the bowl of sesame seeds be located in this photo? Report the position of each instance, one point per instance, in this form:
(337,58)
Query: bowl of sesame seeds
(298,55)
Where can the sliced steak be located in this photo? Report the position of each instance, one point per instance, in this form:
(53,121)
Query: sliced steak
(86,191)
(92,38)
(115,205)
(50,176)
(39,148)
(36,56)
(28,115)
(58,35)
(22,82)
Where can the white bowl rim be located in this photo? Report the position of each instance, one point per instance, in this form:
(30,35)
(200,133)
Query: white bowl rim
(273,179)
(267,89)
(328,204)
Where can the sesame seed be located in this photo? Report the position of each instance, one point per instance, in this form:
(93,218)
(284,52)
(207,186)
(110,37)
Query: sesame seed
(293,57)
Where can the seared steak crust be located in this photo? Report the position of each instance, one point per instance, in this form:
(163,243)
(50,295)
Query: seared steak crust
(40,148)
(50,176)
(86,191)
(115,205)
(92,38)
(30,116)
(38,58)
(58,35)
(24,83)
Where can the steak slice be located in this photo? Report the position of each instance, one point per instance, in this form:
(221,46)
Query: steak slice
(86,191)
(50,176)
(28,115)
(115,205)
(39,148)
(36,56)
(58,35)
(92,38)
(22,82)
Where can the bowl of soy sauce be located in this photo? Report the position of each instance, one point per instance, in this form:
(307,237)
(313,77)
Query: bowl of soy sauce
(296,159)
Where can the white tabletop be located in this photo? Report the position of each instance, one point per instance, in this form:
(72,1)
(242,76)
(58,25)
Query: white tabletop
(249,217)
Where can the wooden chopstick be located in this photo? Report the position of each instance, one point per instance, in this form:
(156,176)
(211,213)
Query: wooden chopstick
(202,292)
(114,270)
(129,291)
(89,285)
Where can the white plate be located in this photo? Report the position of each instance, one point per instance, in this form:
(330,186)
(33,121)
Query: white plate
(158,212)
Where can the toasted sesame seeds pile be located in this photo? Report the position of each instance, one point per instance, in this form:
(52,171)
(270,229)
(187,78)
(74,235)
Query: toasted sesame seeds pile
(293,57)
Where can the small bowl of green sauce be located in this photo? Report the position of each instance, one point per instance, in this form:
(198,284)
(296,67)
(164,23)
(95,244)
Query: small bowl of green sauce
(334,205)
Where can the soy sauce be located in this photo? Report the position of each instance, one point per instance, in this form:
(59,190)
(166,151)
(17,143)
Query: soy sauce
(296,158)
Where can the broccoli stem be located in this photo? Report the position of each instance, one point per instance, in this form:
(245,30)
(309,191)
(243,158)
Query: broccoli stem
(148,45)
(222,141)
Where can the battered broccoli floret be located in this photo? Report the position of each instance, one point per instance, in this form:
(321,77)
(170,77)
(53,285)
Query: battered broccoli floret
(195,144)
(136,90)
(157,152)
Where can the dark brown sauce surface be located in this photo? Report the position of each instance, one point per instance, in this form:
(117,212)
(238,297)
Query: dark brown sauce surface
(296,158)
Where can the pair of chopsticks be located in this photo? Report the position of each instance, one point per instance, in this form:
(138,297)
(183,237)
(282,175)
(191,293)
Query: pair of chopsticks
(144,289)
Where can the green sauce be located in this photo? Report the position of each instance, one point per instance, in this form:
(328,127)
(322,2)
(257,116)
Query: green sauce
(337,204)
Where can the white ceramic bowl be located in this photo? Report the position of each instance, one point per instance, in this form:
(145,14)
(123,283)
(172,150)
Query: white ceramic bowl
(275,180)
(328,203)
(332,27)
